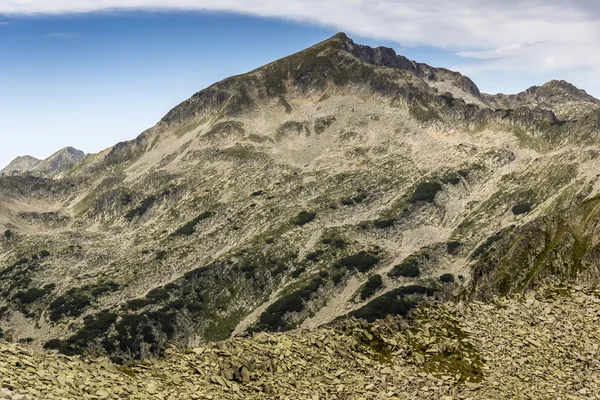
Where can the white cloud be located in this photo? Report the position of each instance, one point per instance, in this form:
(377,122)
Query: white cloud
(532,35)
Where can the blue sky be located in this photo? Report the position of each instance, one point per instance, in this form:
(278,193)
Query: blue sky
(92,79)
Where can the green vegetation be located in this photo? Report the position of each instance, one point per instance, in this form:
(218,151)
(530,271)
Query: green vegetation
(71,304)
(93,327)
(374,283)
(409,268)
(190,227)
(273,319)
(322,124)
(33,294)
(304,217)
(485,248)
(425,191)
(141,208)
(453,247)
(391,303)
(521,208)
(383,223)
(447,278)
(74,302)
(362,261)
(359,198)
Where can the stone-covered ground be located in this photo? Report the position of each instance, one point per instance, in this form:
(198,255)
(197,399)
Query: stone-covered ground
(541,346)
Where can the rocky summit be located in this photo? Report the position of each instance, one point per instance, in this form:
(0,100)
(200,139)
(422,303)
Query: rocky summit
(340,223)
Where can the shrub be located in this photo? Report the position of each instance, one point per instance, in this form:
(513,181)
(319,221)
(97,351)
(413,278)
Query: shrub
(425,191)
(31,295)
(52,344)
(391,303)
(190,227)
(258,193)
(484,248)
(452,247)
(8,234)
(71,304)
(304,217)
(297,272)
(314,256)
(383,223)
(272,318)
(522,208)
(137,304)
(141,209)
(374,283)
(44,254)
(160,255)
(105,287)
(447,278)
(158,294)
(347,202)
(409,268)
(362,261)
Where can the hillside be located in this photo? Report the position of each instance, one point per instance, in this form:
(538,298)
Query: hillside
(341,180)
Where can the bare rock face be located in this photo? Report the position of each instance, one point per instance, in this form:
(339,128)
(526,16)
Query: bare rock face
(339,181)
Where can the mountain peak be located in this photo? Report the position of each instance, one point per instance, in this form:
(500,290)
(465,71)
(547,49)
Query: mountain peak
(58,161)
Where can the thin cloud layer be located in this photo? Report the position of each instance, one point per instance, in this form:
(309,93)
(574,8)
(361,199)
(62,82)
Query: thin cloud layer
(532,35)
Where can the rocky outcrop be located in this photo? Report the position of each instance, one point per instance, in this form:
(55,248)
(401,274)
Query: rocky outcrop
(542,346)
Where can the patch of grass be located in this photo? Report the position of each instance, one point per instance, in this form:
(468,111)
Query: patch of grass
(447,278)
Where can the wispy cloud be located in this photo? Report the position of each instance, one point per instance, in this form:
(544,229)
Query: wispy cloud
(4,23)
(540,35)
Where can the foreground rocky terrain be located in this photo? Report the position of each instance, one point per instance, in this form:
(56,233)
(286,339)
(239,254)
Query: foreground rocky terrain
(544,345)
(340,181)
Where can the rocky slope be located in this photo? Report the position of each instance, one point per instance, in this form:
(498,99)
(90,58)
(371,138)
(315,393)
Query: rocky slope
(543,346)
(342,180)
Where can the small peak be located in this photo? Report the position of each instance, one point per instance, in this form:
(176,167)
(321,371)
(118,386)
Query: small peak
(340,36)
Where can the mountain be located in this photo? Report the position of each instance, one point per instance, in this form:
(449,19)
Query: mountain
(340,181)
(57,162)
(20,164)
(560,97)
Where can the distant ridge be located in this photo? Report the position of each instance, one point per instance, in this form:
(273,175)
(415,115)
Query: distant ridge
(56,162)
